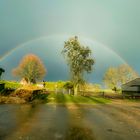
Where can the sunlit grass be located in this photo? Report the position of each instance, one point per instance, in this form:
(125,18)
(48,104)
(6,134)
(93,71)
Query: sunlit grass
(11,84)
(66,98)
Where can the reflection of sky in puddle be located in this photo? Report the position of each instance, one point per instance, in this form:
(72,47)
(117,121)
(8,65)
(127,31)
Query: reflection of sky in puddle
(43,122)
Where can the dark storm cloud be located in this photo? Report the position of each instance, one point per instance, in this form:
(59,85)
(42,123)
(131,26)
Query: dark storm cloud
(114,23)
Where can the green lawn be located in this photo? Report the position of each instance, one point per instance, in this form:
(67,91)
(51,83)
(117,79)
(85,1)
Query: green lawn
(65,98)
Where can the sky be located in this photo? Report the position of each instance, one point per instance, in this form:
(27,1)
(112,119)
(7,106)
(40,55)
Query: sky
(113,23)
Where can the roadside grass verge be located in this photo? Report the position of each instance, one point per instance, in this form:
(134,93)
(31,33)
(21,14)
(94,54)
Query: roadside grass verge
(11,84)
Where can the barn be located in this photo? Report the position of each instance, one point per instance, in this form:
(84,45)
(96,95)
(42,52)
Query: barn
(132,87)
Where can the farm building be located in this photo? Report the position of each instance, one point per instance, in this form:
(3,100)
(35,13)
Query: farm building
(132,87)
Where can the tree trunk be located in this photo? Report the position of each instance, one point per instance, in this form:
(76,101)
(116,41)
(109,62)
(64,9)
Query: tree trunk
(75,90)
(69,91)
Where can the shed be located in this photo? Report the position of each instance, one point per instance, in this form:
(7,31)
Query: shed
(132,87)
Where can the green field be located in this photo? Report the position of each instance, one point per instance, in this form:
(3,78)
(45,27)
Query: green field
(92,94)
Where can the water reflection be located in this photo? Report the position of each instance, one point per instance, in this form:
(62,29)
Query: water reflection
(79,133)
(41,122)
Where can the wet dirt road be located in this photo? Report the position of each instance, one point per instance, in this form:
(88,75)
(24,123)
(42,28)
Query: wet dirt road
(115,121)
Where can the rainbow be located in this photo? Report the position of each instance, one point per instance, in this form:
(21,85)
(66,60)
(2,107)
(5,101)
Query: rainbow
(64,36)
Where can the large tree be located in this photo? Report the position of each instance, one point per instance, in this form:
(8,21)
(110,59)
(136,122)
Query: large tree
(111,77)
(126,73)
(30,68)
(116,76)
(79,60)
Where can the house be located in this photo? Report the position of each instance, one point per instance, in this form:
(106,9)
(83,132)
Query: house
(132,87)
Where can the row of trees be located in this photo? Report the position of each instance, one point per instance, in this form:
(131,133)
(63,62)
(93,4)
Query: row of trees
(78,58)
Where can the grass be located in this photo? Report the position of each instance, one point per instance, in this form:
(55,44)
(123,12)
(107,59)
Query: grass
(66,98)
(52,85)
(59,97)
(91,98)
(11,84)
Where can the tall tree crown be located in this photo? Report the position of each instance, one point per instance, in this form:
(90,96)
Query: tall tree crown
(31,68)
(78,58)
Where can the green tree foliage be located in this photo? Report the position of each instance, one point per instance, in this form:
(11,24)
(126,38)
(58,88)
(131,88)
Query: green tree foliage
(1,71)
(68,85)
(115,77)
(111,78)
(79,60)
(30,68)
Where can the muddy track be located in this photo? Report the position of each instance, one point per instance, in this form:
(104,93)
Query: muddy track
(115,121)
